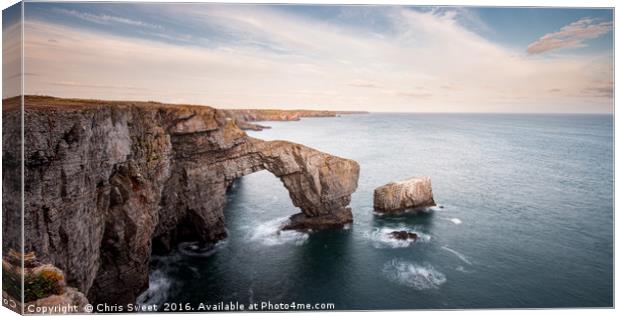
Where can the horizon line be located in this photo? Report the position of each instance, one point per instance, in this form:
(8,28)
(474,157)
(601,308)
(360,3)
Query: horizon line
(307,109)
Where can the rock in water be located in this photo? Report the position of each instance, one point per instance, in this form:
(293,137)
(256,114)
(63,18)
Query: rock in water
(398,196)
(336,219)
(403,235)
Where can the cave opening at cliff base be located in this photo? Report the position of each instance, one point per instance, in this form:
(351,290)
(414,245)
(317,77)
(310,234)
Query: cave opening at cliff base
(258,201)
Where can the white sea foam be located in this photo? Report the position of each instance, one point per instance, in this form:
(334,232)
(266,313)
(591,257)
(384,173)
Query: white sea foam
(458,254)
(161,285)
(436,208)
(193,249)
(380,237)
(456,221)
(270,234)
(420,277)
(408,212)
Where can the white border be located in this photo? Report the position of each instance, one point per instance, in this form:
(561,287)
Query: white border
(504,3)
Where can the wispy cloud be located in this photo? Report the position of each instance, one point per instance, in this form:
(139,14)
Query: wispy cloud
(415,95)
(571,36)
(106,19)
(605,90)
(358,83)
(316,64)
(465,16)
(96,86)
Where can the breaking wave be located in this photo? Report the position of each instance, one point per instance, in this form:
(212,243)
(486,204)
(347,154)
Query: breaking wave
(420,277)
(270,234)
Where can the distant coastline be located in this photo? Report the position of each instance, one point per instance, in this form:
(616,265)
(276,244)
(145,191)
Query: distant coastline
(244,117)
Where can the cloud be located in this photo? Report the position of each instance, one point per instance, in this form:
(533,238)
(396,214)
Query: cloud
(449,87)
(358,83)
(604,90)
(415,95)
(570,36)
(97,86)
(274,58)
(465,16)
(106,19)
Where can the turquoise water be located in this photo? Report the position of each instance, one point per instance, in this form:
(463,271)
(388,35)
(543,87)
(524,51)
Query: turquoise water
(527,220)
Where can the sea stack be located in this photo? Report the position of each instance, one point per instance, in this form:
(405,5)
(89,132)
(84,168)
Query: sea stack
(413,193)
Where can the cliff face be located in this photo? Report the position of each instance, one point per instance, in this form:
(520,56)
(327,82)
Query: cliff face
(105,182)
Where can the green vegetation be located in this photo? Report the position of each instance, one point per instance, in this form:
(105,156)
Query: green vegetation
(48,282)
(43,284)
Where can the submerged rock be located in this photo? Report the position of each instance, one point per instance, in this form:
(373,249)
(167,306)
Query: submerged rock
(398,196)
(403,235)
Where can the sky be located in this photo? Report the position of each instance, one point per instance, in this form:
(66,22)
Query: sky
(373,58)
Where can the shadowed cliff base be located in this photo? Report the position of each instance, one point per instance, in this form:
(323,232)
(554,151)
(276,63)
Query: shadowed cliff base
(104,179)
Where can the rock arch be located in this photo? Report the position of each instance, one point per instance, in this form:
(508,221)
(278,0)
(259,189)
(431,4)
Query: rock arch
(319,184)
(103,180)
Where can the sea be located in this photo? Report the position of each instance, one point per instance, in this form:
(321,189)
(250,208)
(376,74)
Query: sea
(524,220)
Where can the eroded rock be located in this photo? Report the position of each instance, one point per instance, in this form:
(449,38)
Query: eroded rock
(413,193)
(107,182)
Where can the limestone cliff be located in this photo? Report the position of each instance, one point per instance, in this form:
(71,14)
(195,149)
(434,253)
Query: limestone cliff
(106,182)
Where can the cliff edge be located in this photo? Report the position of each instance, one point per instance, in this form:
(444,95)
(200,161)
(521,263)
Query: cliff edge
(106,182)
